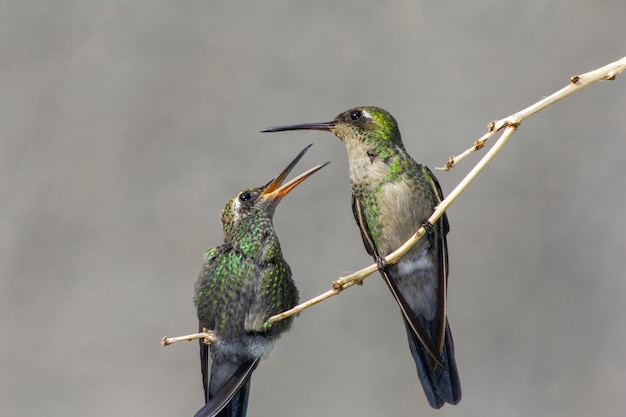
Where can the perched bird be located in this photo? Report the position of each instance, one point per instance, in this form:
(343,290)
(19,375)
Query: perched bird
(242,283)
(392,196)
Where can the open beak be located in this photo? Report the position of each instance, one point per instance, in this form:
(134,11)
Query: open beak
(275,191)
(327,126)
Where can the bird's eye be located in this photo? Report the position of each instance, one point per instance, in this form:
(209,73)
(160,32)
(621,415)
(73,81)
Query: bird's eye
(244,196)
(356,115)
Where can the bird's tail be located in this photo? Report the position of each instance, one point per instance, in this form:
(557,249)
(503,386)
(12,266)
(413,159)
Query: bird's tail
(230,398)
(440,385)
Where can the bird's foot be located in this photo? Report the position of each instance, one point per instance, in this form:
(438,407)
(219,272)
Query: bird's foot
(428,226)
(381,262)
(210,336)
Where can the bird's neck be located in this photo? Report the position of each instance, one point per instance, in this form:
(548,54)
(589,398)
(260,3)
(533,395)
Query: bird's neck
(371,167)
(256,240)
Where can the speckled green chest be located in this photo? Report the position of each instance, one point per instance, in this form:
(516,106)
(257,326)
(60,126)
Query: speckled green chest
(236,293)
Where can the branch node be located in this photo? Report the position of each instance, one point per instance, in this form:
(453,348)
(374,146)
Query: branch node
(610,76)
(514,125)
(337,286)
(450,164)
(479,144)
(575,79)
(492,125)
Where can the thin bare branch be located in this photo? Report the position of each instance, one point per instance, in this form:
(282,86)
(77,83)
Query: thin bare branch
(510,125)
(208,336)
(577,82)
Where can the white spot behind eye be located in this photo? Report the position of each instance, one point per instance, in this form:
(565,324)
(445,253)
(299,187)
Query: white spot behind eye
(236,208)
(366,114)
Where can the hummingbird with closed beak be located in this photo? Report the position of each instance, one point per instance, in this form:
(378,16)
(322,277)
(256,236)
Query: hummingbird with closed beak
(392,197)
(242,283)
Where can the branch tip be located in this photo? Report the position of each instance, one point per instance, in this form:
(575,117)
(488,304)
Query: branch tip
(208,336)
(607,72)
(448,166)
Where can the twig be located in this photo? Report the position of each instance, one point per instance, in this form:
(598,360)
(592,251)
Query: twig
(510,125)
(577,82)
(208,336)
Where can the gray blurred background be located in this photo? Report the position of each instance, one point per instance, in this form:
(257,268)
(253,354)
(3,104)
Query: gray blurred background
(125,126)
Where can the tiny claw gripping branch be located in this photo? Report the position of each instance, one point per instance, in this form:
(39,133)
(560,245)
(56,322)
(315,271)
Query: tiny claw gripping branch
(381,262)
(428,227)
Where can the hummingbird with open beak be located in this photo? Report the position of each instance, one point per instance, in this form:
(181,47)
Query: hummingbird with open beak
(392,197)
(242,283)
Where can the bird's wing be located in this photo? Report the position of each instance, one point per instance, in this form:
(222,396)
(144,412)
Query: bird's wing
(431,346)
(439,244)
(208,269)
(230,390)
(204,364)
(366,235)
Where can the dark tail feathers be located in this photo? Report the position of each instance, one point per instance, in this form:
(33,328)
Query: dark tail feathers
(440,385)
(232,399)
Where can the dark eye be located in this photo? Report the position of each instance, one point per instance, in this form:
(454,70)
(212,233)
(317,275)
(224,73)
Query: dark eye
(356,115)
(244,196)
